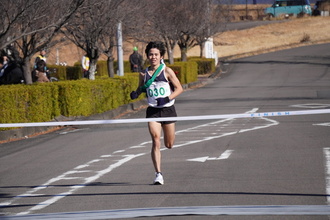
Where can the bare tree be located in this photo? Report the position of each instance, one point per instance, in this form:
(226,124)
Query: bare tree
(194,14)
(37,25)
(129,14)
(164,23)
(89,27)
(161,23)
(109,44)
(215,20)
(12,14)
(167,24)
(186,23)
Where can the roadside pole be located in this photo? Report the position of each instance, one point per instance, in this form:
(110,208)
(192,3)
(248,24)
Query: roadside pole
(120,71)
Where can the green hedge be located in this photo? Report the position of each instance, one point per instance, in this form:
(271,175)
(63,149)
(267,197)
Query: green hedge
(178,70)
(60,72)
(29,103)
(44,101)
(102,69)
(205,65)
(74,72)
(87,97)
(188,72)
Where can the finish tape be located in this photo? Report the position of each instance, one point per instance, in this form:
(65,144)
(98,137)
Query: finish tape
(183,118)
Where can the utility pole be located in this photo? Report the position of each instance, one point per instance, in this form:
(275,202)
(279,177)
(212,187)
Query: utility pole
(120,61)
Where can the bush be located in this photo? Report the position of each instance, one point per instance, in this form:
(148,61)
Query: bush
(188,72)
(87,97)
(42,102)
(205,65)
(74,72)
(28,103)
(58,71)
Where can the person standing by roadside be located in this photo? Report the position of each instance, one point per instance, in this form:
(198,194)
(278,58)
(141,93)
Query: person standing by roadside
(41,71)
(41,56)
(10,73)
(161,100)
(136,61)
(85,65)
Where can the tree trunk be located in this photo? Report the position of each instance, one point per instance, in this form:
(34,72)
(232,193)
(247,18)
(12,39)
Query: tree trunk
(170,55)
(170,48)
(92,69)
(111,71)
(183,54)
(27,70)
(201,49)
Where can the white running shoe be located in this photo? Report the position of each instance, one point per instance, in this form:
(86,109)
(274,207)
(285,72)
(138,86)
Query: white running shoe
(159,180)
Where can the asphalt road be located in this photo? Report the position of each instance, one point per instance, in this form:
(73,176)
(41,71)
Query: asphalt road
(239,168)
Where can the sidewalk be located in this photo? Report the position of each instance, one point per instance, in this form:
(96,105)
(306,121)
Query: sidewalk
(27,132)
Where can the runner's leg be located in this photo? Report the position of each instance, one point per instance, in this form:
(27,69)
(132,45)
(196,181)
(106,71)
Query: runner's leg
(169,134)
(155,130)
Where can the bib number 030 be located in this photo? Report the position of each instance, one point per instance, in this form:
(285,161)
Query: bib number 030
(156,92)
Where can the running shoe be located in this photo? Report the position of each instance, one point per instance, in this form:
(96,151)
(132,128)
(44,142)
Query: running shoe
(159,180)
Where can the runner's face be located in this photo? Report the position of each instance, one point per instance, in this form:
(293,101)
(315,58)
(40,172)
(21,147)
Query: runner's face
(154,57)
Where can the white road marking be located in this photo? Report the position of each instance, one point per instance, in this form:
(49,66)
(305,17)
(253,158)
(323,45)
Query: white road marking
(223,156)
(139,146)
(119,151)
(311,105)
(76,187)
(72,131)
(199,159)
(326,152)
(323,124)
(184,138)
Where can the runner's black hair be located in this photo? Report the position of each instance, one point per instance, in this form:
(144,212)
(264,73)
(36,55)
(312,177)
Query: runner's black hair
(156,44)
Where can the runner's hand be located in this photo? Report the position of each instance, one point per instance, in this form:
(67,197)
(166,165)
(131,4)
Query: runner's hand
(134,95)
(162,101)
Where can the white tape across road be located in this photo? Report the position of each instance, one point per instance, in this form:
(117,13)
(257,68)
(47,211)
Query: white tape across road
(183,118)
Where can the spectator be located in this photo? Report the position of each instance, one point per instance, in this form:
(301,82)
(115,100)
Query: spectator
(85,65)
(12,54)
(136,61)
(10,73)
(41,71)
(42,56)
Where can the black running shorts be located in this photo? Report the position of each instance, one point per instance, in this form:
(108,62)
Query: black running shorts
(162,112)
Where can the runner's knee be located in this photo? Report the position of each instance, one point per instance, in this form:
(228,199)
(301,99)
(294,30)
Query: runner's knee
(169,145)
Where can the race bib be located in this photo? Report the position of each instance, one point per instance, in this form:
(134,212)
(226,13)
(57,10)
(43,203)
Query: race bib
(158,90)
